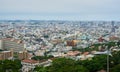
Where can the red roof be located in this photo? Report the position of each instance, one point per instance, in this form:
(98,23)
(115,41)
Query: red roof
(100,39)
(73,53)
(30,61)
(86,53)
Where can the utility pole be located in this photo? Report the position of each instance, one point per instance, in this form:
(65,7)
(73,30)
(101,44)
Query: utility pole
(107,60)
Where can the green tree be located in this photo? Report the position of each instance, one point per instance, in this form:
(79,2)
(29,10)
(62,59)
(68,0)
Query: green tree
(115,58)
(102,60)
(10,65)
(41,69)
(96,64)
(63,65)
(115,68)
(42,57)
(66,65)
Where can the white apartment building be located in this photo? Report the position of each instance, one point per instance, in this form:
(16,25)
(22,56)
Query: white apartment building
(15,44)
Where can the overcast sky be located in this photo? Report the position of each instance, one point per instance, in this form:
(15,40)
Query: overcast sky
(60,9)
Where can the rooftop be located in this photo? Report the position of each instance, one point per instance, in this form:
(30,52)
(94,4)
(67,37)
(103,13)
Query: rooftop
(30,61)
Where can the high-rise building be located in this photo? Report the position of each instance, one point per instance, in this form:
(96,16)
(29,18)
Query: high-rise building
(1,44)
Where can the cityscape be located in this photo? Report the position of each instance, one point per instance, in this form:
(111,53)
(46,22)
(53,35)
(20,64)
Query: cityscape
(59,36)
(39,42)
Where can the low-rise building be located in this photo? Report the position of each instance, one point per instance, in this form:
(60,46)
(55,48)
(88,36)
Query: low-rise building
(73,53)
(72,43)
(22,55)
(6,55)
(28,65)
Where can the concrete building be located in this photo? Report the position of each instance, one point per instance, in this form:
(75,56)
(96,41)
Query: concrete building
(72,43)
(15,44)
(28,65)
(22,55)
(6,55)
(1,44)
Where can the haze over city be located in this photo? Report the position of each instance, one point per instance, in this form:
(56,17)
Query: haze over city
(106,10)
(59,36)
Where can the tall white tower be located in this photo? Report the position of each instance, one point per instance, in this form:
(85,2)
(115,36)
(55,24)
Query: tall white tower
(1,44)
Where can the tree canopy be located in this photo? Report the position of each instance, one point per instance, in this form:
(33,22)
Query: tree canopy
(97,63)
(10,65)
(62,65)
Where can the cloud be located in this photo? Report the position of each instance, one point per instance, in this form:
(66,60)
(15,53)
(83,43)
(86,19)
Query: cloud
(55,5)
(60,7)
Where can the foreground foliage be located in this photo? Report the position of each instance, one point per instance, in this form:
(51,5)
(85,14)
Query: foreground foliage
(10,65)
(96,64)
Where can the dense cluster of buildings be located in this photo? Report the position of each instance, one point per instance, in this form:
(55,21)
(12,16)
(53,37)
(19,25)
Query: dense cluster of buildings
(25,39)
